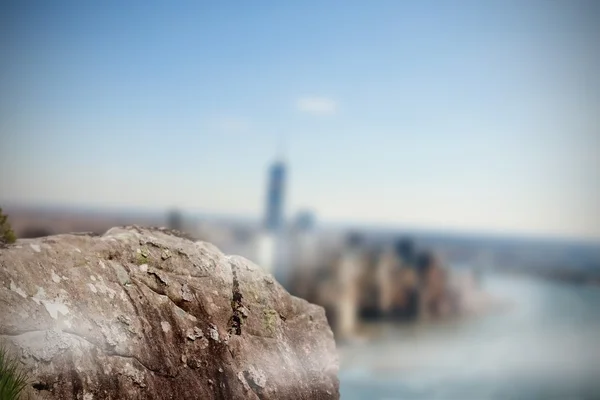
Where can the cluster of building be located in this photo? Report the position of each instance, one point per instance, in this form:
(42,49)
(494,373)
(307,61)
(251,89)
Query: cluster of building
(357,284)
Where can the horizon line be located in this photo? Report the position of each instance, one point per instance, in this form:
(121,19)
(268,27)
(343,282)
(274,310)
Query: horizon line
(323,223)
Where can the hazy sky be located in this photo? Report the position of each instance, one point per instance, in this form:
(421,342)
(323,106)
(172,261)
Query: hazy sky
(453,114)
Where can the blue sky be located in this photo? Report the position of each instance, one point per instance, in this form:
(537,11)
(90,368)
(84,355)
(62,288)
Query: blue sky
(444,114)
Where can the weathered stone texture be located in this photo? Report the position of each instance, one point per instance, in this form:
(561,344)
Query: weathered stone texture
(145,314)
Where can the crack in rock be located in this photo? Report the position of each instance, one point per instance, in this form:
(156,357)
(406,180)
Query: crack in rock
(239,313)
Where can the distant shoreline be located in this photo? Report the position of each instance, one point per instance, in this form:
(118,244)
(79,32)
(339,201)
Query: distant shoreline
(577,277)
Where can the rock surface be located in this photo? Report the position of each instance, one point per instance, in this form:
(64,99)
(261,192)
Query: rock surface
(145,314)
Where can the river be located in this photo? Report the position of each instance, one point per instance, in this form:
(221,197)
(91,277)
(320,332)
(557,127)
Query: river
(546,345)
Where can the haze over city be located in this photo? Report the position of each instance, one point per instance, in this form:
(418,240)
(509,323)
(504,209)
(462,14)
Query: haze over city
(422,114)
(374,199)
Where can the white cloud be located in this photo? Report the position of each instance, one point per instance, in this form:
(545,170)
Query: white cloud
(317,105)
(230,124)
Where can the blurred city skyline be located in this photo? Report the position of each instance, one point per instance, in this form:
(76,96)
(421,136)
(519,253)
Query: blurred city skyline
(422,114)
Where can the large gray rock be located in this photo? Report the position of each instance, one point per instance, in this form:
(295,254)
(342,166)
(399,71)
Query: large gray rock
(145,314)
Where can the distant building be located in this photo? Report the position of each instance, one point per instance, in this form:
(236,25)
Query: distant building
(265,252)
(345,286)
(304,221)
(304,251)
(406,250)
(275,197)
(175,220)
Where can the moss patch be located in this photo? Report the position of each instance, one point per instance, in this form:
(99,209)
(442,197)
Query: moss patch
(140,259)
(142,256)
(270,318)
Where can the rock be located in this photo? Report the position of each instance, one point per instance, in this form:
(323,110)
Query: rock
(166,254)
(146,314)
(194,334)
(186,293)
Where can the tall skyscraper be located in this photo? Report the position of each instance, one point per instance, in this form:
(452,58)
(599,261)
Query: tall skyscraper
(275,197)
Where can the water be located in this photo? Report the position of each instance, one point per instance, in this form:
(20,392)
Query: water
(545,346)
